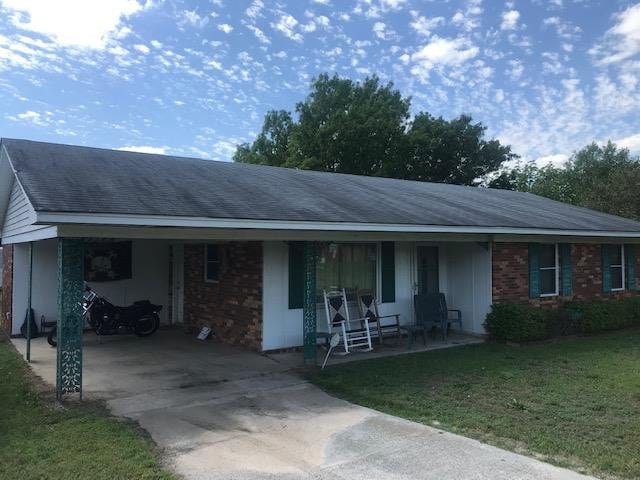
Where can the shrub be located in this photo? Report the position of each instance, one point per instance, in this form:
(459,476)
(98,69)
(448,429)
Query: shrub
(518,323)
(525,323)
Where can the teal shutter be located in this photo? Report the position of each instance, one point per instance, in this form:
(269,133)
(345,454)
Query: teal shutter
(388,271)
(565,268)
(606,269)
(296,274)
(534,270)
(630,257)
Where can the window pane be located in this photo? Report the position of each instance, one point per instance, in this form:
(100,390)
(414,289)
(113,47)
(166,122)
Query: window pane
(616,277)
(548,281)
(615,252)
(212,252)
(348,266)
(547,255)
(212,270)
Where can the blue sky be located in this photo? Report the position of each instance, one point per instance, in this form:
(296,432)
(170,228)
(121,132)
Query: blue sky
(196,77)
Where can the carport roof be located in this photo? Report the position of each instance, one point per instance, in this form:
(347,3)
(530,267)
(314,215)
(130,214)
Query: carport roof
(65,179)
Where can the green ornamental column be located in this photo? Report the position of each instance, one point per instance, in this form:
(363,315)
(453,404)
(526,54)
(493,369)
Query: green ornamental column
(309,303)
(70,319)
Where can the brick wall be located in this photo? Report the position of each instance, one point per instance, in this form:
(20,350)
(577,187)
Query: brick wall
(233,305)
(7,287)
(510,275)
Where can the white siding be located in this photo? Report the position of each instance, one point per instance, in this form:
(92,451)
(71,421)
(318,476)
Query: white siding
(20,215)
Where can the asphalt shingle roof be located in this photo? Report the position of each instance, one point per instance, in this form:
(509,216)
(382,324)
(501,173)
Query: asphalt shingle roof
(64,178)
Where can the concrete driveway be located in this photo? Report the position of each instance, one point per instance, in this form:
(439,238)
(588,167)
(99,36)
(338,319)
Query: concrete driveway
(222,413)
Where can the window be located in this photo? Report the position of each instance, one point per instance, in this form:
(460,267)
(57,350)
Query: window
(549,270)
(212,262)
(616,257)
(346,265)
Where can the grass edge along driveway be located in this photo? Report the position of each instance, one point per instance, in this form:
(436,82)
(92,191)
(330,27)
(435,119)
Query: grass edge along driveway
(41,439)
(572,402)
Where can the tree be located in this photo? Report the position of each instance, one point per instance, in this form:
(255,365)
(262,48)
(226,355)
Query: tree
(272,144)
(452,151)
(604,178)
(364,128)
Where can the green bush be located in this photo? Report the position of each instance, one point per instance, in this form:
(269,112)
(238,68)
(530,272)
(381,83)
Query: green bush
(526,323)
(517,323)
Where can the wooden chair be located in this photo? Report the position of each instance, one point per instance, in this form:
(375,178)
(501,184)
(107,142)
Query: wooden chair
(368,307)
(354,332)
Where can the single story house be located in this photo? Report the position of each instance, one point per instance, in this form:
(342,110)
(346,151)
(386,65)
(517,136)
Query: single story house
(248,249)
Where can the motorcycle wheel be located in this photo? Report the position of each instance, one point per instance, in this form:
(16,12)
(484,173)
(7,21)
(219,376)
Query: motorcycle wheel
(146,325)
(52,337)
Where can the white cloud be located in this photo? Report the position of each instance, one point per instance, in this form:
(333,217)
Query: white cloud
(444,51)
(32,117)
(423,25)
(254,9)
(287,25)
(225,27)
(378,29)
(193,18)
(556,160)
(141,48)
(631,142)
(260,35)
(622,41)
(78,23)
(145,149)
(510,20)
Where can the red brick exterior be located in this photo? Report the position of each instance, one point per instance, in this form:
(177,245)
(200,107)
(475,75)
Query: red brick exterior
(510,275)
(232,307)
(7,288)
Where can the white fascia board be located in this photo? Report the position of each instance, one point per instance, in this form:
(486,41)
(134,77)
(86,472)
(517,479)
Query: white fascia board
(247,224)
(42,233)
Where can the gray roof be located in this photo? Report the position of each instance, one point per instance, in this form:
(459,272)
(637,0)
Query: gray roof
(63,178)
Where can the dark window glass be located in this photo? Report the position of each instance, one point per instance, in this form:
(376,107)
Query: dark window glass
(548,282)
(616,255)
(547,256)
(616,278)
(212,263)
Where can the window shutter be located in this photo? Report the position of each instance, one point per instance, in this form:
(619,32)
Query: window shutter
(606,269)
(534,270)
(388,271)
(630,257)
(296,274)
(565,268)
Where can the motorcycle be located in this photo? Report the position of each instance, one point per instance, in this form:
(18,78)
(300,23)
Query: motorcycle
(104,318)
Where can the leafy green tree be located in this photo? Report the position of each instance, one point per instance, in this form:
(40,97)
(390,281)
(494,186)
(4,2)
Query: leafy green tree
(452,151)
(364,128)
(604,178)
(272,144)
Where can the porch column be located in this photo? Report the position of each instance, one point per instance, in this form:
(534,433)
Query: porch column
(70,319)
(309,303)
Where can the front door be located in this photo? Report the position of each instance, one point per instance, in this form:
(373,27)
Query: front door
(428,270)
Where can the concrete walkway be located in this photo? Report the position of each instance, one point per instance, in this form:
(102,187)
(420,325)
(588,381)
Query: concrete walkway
(223,413)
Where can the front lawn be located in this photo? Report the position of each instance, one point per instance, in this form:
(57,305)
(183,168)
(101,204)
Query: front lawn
(40,440)
(574,402)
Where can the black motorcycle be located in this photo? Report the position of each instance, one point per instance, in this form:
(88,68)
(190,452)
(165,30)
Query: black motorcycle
(105,318)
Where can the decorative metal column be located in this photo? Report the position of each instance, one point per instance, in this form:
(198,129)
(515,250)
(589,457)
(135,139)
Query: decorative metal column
(70,319)
(309,303)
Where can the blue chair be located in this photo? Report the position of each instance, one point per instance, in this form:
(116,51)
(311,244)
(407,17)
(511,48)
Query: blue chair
(431,311)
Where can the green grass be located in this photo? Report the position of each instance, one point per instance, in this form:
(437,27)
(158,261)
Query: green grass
(41,440)
(574,402)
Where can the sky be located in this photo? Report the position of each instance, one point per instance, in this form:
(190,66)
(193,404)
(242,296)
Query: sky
(195,78)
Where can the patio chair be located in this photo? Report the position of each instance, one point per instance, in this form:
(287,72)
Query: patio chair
(431,310)
(354,332)
(383,324)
